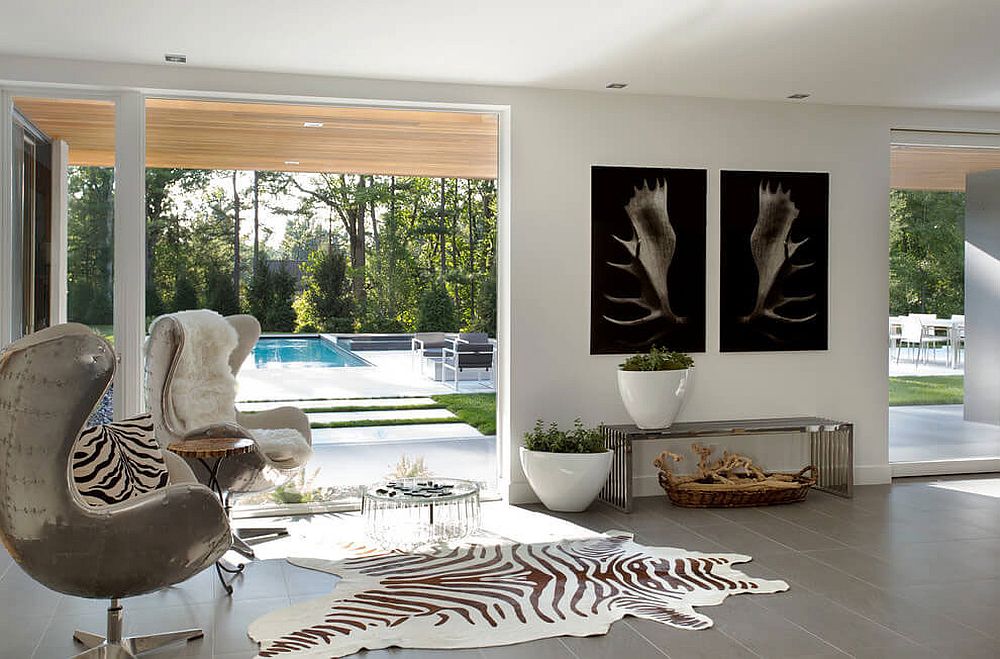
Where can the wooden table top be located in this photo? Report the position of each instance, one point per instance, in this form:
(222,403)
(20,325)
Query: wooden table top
(212,447)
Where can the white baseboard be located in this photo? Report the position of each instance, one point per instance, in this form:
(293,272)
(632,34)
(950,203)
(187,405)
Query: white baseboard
(872,474)
(943,467)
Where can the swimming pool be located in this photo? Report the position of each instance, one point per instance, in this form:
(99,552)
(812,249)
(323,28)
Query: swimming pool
(305,352)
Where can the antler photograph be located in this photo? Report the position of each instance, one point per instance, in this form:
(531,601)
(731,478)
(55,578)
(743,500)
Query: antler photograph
(648,259)
(774,261)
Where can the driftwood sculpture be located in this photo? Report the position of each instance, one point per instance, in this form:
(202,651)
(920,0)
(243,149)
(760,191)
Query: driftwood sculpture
(730,481)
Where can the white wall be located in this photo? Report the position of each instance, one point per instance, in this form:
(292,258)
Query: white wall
(554,139)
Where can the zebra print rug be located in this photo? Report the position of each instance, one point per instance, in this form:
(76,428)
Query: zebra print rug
(482,595)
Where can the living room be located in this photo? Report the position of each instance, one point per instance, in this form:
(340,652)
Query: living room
(718,90)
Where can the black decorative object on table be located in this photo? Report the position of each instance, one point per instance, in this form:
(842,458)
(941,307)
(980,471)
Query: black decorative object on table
(774,255)
(647,259)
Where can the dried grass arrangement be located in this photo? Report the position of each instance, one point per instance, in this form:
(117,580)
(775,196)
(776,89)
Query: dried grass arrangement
(732,481)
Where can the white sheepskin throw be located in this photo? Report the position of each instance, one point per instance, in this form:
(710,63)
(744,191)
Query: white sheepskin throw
(203,388)
(282,445)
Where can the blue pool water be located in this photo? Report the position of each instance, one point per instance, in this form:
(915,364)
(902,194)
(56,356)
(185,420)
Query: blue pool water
(303,352)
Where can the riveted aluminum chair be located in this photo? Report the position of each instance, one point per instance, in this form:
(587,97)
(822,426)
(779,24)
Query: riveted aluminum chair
(50,382)
(265,468)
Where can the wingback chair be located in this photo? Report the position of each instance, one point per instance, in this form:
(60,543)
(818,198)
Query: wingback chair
(50,382)
(282,435)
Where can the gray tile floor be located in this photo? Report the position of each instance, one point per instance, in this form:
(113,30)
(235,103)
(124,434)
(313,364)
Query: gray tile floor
(909,570)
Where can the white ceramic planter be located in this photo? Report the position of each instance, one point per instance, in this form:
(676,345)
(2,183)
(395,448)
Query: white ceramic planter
(654,398)
(566,482)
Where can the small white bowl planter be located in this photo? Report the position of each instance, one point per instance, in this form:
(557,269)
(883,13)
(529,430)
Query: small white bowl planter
(654,398)
(566,482)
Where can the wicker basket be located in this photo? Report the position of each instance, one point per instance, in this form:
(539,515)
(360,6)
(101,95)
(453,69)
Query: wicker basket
(746,491)
(732,481)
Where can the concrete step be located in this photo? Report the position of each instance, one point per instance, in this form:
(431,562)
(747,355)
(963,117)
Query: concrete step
(379,415)
(337,402)
(380,434)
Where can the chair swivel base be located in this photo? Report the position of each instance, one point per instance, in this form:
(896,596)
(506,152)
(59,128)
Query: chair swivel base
(241,536)
(114,646)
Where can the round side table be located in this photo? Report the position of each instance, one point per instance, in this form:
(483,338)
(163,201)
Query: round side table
(210,452)
(412,512)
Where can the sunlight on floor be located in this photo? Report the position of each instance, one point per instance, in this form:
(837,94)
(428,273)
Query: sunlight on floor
(988,487)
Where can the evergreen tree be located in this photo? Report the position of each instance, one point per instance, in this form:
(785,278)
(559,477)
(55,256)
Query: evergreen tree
(437,310)
(326,296)
(220,295)
(281,315)
(185,294)
(260,291)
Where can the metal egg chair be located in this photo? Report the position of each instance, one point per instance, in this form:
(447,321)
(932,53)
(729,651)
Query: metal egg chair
(49,384)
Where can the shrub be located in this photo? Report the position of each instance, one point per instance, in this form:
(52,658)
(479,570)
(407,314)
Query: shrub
(551,439)
(658,360)
(437,310)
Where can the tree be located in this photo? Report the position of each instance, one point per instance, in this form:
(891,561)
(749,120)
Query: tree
(281,315)
(220,295)
(91,216)
(303,236)
(326,301)
(927,252)
(437,310)
(260,291)
(350,197)
(185,294)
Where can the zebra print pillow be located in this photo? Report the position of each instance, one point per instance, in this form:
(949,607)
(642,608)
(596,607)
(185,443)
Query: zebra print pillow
(117,461)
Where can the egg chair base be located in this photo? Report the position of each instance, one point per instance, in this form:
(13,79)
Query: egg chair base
(113,646)
(256,535)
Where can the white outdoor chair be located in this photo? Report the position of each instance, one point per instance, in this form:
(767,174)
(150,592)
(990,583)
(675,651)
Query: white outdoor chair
(466,356)
(895,334)
(915,334)
(958,336)
(427,346)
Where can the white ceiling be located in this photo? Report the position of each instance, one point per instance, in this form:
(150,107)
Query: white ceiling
(919,53)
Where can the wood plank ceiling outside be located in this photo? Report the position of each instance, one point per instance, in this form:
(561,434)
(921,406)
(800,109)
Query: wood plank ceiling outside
(938,168)
(273,137)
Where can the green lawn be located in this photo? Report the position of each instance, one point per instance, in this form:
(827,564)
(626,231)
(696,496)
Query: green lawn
(477,410)
(927,390)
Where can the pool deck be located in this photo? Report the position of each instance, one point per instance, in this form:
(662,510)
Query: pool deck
(392,375)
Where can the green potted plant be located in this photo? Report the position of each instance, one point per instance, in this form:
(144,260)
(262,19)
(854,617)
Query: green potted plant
(566,469)
(654,385)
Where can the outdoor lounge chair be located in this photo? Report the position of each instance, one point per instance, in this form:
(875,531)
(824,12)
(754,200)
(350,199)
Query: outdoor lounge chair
(427,345)
(465,355)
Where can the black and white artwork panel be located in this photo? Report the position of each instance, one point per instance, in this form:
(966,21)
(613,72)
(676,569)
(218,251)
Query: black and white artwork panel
(774,261)
(647,259)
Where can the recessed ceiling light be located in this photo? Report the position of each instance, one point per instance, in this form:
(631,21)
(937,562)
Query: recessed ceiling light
(798,96)
(616,85)
(176,58)
(313,124)
(292,162)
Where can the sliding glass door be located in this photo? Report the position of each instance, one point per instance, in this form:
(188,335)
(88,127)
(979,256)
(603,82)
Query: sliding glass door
(32,226)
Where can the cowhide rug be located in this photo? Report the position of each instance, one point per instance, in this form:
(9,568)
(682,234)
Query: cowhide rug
(479,595)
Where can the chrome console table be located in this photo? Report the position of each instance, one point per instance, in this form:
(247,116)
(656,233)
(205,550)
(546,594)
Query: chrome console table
(831,449)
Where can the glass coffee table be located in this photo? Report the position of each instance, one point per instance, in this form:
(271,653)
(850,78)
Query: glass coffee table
(412,512)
